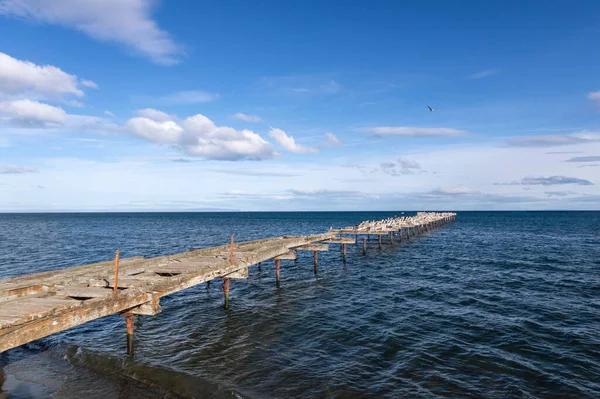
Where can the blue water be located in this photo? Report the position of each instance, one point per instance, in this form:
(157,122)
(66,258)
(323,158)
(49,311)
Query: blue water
(495,305)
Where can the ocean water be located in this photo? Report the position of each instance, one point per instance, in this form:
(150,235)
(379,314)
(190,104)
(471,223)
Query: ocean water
(495,305)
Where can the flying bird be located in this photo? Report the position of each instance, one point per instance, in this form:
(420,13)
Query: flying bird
(431,109)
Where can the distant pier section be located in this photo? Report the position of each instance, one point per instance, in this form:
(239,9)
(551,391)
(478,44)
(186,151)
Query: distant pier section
(38,305)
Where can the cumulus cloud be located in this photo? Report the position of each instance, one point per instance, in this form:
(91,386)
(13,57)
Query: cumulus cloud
(25,78)
(484,74)
(108,113)
(289,143)
(402,166)
(548,181)
(409,131)
(16,169)
(198,136)
(28,113)
(154,115)
(584,159)
(553,140)
(332,139)
(247,118)
(126,22)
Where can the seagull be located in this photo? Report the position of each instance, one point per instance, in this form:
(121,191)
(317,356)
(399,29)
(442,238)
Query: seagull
(431,109)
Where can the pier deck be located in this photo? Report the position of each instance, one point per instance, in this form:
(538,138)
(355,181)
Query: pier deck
(38,305)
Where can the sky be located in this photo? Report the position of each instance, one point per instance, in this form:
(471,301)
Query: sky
(134,105)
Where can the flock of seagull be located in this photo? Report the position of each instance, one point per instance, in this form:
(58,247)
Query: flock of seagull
(405,221)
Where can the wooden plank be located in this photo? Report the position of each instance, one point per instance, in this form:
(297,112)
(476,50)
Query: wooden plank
(341,240)
(242,273)
(312,247)
(288,256)
(93,309)
(85,292)
(127,283)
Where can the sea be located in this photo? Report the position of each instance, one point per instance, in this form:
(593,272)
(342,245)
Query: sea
(494,305)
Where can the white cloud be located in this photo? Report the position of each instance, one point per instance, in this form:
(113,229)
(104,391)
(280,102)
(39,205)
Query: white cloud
(24,77)
(108,113)
(247,118)
(76,104)
(126,22)
(409,131)
(289,143)
(553,140)
(402,166)
(332,139)
(154,114)
(30,113)
(89,83)
(16,169)
(484,74)
(199,136)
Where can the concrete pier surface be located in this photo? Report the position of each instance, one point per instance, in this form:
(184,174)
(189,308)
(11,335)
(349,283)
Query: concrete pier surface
(35,306)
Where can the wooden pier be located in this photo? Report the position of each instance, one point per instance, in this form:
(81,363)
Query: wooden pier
(38,305)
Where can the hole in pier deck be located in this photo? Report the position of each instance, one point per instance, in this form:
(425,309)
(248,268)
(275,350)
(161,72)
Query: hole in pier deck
(165,274)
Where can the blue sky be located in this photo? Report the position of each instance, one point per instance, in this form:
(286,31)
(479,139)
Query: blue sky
(131,105)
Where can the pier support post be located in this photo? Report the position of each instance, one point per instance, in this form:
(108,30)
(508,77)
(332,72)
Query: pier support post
(259,266)
(400,234)
(364,246)
(355,239)
(277,269)
(116,278)
(316,260)
(226,285)
(344,251)
(391,237)
(129,319)
(379,237)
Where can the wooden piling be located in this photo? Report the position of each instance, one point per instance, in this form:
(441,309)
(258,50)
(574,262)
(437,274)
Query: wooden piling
(379,237)
(344,251)
(116,279)
(129,319)
(364,246)
(315,259)
(225,288)
(231,251)
(277,268)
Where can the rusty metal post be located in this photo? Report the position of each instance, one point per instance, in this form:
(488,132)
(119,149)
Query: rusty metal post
(364,246)
(226,285)
(231,251)
(344,251)
(116,280)
(379,238)
(129,319)
(277,268)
